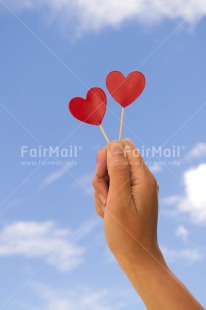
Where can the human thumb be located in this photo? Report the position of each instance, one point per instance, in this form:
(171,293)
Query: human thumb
(118,171)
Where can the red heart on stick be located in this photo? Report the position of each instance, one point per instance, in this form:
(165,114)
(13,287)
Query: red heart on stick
(125,90)
(92,109)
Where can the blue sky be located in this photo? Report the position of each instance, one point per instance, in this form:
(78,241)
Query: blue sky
(52,249)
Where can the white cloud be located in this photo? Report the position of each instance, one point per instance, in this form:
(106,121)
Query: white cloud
(182,232)
(170,200)
(52,177)
(55,176)
(198,151)
(97,14)
(193,201)
(84,182)
(81,298)
(41,240)
(188,255)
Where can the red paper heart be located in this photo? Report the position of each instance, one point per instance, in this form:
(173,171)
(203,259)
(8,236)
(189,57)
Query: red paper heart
(92,109)
(125,90)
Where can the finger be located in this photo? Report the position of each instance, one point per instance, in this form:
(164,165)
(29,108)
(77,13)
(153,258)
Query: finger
(101,178)
(140,173)
(101,169)
(99,207)
(143,178)
(102,187)
(118,170)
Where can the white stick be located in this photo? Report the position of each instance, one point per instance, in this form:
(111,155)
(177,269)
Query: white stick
(104,133)
(121,124)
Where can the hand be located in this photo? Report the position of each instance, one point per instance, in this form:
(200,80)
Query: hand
(126,196)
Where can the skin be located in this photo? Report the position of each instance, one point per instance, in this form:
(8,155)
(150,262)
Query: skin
(126,198)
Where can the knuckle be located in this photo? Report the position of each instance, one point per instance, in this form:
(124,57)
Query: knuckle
(99,211)
(97,183)
(94,182)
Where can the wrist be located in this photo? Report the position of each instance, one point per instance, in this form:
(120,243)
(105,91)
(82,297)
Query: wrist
(141,262)
(158,287)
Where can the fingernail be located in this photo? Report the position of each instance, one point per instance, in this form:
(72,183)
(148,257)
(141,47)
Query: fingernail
(117,148)
(103,200)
